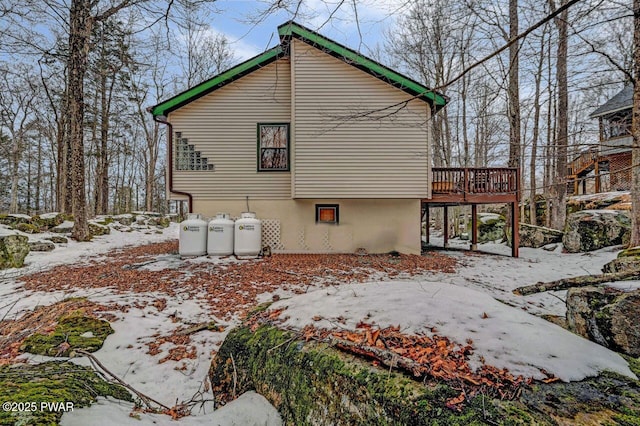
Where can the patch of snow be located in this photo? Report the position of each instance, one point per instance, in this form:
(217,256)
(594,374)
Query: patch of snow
(87,335)
(4,231)
(19,215)
(67,224)
(506,338)
(50,215)
(250,409)
(602,196)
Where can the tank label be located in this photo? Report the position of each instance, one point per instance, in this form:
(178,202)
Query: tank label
(247,227)
(216,229)
(191,228)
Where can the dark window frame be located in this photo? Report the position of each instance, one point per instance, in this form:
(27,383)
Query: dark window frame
(259,149)
(336,207)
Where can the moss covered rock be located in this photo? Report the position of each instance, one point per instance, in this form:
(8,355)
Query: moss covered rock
(311,383)
(590,230)
(72,332)
(606,316)
(98,229)
(48,220)
(490,227)
(53,382)
(537,236)
(13,249)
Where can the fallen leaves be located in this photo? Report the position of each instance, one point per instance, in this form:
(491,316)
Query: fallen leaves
(231,289)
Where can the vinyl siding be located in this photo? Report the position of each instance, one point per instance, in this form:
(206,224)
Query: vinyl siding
(223,127)
(338,157)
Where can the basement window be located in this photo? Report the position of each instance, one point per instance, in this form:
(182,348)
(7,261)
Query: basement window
(273,147)
(328,213)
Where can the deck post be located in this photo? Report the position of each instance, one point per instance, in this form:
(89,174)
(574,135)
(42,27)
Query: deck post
(474,227)
(446,226)
(515,234)
(596,171)
(584,186)
(427,220)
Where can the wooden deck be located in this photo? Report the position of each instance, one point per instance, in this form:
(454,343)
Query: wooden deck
(474,185)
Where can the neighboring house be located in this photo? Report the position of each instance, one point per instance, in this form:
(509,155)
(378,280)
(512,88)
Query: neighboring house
(608,164)
(332,150)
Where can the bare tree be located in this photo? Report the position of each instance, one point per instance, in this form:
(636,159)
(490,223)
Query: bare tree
(635,131)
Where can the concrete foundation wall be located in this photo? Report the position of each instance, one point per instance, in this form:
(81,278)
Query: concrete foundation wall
(378,226)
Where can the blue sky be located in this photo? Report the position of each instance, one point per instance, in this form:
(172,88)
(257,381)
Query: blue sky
(374,18)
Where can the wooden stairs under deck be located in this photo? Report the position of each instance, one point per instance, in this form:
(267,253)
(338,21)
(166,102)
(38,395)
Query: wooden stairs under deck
(586,162)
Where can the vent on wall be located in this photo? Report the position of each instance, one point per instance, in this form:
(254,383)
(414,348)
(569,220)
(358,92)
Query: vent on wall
(187,158)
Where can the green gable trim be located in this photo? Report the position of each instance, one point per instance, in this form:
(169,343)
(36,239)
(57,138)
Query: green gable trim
(291,29)
(218,81)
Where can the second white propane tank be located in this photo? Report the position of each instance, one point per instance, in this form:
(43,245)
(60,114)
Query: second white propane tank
(220,239)
(193,236)
(247,235)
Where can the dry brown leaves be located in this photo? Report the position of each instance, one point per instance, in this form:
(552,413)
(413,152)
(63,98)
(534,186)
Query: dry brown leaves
(43,320)
(231,289)
(434,357)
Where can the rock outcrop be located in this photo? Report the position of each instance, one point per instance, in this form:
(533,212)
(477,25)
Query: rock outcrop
(606,316)
(41,246)
(538,236)
(590,230)
(312,383)
(627,260)
(490,227)
(13,249)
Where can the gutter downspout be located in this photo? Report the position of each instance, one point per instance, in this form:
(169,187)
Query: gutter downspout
(162,119)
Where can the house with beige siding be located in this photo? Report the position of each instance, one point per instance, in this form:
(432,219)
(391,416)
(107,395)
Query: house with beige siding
(330,149)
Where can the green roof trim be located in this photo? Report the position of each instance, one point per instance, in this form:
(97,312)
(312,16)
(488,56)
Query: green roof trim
(292,29)
(216,82)
(286,31)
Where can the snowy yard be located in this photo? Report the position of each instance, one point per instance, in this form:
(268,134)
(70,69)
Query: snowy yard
(153,296)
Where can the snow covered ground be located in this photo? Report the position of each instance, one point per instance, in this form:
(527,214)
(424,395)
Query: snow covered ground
(474,303)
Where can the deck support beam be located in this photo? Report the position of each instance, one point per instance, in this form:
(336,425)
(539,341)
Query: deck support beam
(597,173)
(474,227)
(446,226)
(515,233)
(427,221)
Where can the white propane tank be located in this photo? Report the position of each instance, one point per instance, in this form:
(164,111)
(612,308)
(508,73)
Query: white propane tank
(193,236)
(220,239)
(248,235)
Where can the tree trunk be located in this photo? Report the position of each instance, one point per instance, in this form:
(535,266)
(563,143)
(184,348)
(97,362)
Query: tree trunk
(514,89)
(635,130)
(16,150)
(560,210)
(79,34)
(535,136)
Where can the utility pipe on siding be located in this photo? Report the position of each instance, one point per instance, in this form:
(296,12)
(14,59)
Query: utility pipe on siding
(162,119)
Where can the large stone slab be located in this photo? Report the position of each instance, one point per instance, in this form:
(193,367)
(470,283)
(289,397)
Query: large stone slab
(312,383)
(13,249)
(606,316)
(590,230)
(538,236)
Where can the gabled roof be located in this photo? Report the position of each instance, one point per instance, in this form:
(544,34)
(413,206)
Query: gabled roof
(290,30)
(621,101)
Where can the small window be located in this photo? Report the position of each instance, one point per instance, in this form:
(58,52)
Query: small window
(273,147)
(327,213)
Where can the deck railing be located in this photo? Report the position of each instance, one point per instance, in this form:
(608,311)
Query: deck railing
(492,180)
